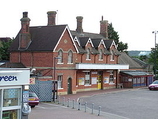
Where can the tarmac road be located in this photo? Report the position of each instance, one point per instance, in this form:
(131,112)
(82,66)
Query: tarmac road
(133,104)
(53,111)
(115,104)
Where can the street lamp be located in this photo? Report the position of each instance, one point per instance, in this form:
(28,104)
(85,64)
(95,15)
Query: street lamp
(54,82)
(155,32)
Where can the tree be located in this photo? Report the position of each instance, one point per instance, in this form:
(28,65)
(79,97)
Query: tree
(153,58)
(112,34)
(122,46)
(4,53)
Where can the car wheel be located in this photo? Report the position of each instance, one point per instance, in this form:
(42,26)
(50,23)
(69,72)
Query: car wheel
(32,106)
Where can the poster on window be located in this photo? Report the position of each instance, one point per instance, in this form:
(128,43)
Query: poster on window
(106,79)
(94,80)
(81,81)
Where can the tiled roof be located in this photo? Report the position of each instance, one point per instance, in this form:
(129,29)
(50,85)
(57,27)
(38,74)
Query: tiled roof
(12,65)
(44,38)
(83,41)
(142,63)
(125,59)
(108,43)
(86,34)
(96,42)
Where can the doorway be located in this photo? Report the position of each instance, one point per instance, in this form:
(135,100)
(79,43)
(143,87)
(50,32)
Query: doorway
(100,80)
(69,86)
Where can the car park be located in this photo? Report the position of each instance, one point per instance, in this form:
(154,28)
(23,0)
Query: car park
(154,85)
(33,99)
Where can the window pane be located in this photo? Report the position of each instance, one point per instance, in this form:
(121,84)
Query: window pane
(87,78)
(11,114)
(70,57)
(60,54)
(60,80)
(11,97)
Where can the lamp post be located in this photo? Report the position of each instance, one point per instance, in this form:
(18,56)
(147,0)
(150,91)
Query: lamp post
(55,87)
(155,32)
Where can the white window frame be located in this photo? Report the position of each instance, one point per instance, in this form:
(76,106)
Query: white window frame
(60,81)
(112,55)
(70,57)
(87,78)
(16,107)
(100,54)
(88,56)
(60,54)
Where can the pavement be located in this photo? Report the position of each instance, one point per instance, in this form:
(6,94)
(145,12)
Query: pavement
(68,106)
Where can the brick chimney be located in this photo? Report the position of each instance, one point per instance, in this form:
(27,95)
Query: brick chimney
(104,28)
(51,17)
(79,24)
(24,33)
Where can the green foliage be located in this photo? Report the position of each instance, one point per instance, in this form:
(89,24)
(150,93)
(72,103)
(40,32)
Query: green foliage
(4,53)
(122,46)
(113,35)
(153,58)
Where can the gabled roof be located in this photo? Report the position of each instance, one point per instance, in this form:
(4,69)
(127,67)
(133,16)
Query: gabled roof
(125,59)
(108,43)
(43,38)
(96,42)
(83,40)
(142,63)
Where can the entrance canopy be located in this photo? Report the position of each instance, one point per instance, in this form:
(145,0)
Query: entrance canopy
(101,66)
(135,73)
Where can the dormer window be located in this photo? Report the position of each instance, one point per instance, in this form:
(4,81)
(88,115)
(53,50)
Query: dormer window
(70,57)
(60,54)
(88,54)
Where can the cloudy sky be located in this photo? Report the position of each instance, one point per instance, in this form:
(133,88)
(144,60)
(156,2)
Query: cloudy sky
(134,20)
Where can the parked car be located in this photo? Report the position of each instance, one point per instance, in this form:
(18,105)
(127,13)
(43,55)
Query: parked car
(154,85)
(33,99)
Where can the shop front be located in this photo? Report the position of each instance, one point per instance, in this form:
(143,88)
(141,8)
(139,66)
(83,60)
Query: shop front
(12,83)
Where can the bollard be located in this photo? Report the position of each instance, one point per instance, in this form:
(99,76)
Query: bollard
(92,107)
(68,102)
(63,101)
(99,111)
(58,99)
(85,106)
(73,104)
(79,106)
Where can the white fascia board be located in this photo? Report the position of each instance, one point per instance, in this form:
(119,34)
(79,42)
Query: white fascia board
(101,66)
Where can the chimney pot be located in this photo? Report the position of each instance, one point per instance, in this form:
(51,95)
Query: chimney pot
(25,14)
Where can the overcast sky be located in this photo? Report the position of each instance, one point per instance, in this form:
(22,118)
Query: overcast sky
(134,20)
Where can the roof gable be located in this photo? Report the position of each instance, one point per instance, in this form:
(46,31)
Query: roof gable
(66,30)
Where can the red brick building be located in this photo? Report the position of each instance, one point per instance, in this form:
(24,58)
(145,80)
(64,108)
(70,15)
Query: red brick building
(78,60)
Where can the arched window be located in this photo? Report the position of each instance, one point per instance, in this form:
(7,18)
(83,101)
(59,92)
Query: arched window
(101,54)
(88,54)
(70,57)
(60,54)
